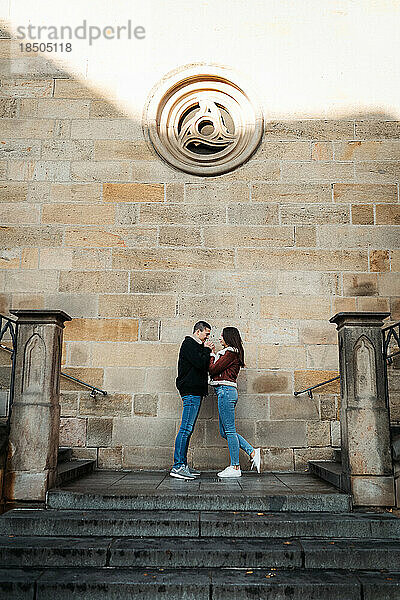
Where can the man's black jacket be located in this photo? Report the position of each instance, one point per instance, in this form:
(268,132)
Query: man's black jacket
(193,363)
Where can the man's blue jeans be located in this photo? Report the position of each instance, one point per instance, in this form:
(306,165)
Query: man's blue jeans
(191,407)
(227,399)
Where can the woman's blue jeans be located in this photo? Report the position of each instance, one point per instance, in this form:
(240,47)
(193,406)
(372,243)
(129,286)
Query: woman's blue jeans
(191,407)
(227,399)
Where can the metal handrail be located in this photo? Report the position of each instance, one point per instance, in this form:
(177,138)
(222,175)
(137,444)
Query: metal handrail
(93,393)
(310,389)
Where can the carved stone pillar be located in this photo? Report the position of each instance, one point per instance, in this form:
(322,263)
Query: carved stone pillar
(35,416)
(364,418)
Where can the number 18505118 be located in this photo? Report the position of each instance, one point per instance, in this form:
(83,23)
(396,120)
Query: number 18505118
(46,47)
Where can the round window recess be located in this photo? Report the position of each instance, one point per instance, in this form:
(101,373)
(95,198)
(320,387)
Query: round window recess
(202,121)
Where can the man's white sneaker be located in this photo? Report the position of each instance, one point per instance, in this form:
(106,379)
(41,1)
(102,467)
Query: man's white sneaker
(256,460)
(230,472)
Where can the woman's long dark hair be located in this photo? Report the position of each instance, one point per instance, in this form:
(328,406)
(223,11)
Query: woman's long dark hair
(232,337)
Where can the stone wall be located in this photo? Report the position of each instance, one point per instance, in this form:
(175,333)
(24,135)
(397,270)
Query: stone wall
(95,224)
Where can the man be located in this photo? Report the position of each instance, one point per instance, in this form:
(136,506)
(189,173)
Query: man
(192,384)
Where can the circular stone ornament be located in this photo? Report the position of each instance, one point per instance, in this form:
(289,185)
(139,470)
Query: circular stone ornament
(202,121)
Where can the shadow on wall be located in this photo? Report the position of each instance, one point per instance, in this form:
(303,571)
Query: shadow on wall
(93,222)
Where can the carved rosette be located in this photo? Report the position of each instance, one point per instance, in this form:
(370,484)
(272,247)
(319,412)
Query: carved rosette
(202,121)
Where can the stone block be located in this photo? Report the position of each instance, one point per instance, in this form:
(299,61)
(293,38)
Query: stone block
(314,214)
(357,236)
(110,458)
(116,237)
(395,309)
(305,235)
(55,258)
(126,380)
(75,192)
(149,330)
(112,405)
(373,491)
(364,192)
(310,172)
(310,129)
(216,193)
(379,261)
(295,307)
(322,356)
(99,432)
(53,108)
(106,129)
(291,408)
(51,170)
(127,214)
(226,236)
(375,129)
(335,434)
(124,305)
(301,457)
(208,459)
(76,305)
(93,281)
(67,149)
(274,356)
(69,404)
(318,333)
(297,282)
(170,406)
(84,453)
(78,354)
(62,128)
(155,171)
(144,431)
(368,304)
(173,258)
(145,405)
(377,172)
(151,282)
(329,407)
(322,150)
(13,191)
(93,376)
(297,260)
(212,307)
(161,379)
(135,354)
(365,427)
(27,128)
(26,281)
(266,333)
(293,150)
(26,149)
(388,214)
(110,330)
(281,434)
(10,259)
(70,88)
(133,192)
(122,150)
(182,214)
(138,457)
(175,192)
(306,379)
(180,236)
(254,381)
(360,284)
(277,459)
(252,214)
(250,406)
(38,236)
(236,282)
(73,432)
(319,434)
(362,214)
(367,150)
(23,485)
(15,87)
(283,193)
(85,170)
(88,258)
(27,301)
(389,284)
(263,170)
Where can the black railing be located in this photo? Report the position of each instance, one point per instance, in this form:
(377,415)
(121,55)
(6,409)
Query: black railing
(8,332)
(313,387)
(95,390)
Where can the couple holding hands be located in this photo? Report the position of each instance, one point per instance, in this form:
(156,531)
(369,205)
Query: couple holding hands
(197,361)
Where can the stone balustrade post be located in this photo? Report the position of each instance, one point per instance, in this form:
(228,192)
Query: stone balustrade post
(35,415)
(367,469)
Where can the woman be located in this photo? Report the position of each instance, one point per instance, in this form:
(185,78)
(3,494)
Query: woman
(224,369)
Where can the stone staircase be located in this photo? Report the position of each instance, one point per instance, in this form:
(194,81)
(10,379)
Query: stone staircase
(114,536)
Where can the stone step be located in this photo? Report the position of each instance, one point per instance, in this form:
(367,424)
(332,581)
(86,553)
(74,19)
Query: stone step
(197,584)
(111,523)
(64,454)
(195,500)
(353,554)
(327,470)
(70,470)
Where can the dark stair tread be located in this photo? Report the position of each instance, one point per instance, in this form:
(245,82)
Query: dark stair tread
(71,465)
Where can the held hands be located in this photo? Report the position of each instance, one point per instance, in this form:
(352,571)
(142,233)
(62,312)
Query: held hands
(209,344)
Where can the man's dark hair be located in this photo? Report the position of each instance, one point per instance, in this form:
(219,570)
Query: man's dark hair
(201,326)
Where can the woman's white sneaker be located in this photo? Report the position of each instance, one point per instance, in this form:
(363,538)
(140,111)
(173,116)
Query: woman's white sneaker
(256,460)
(230,472)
